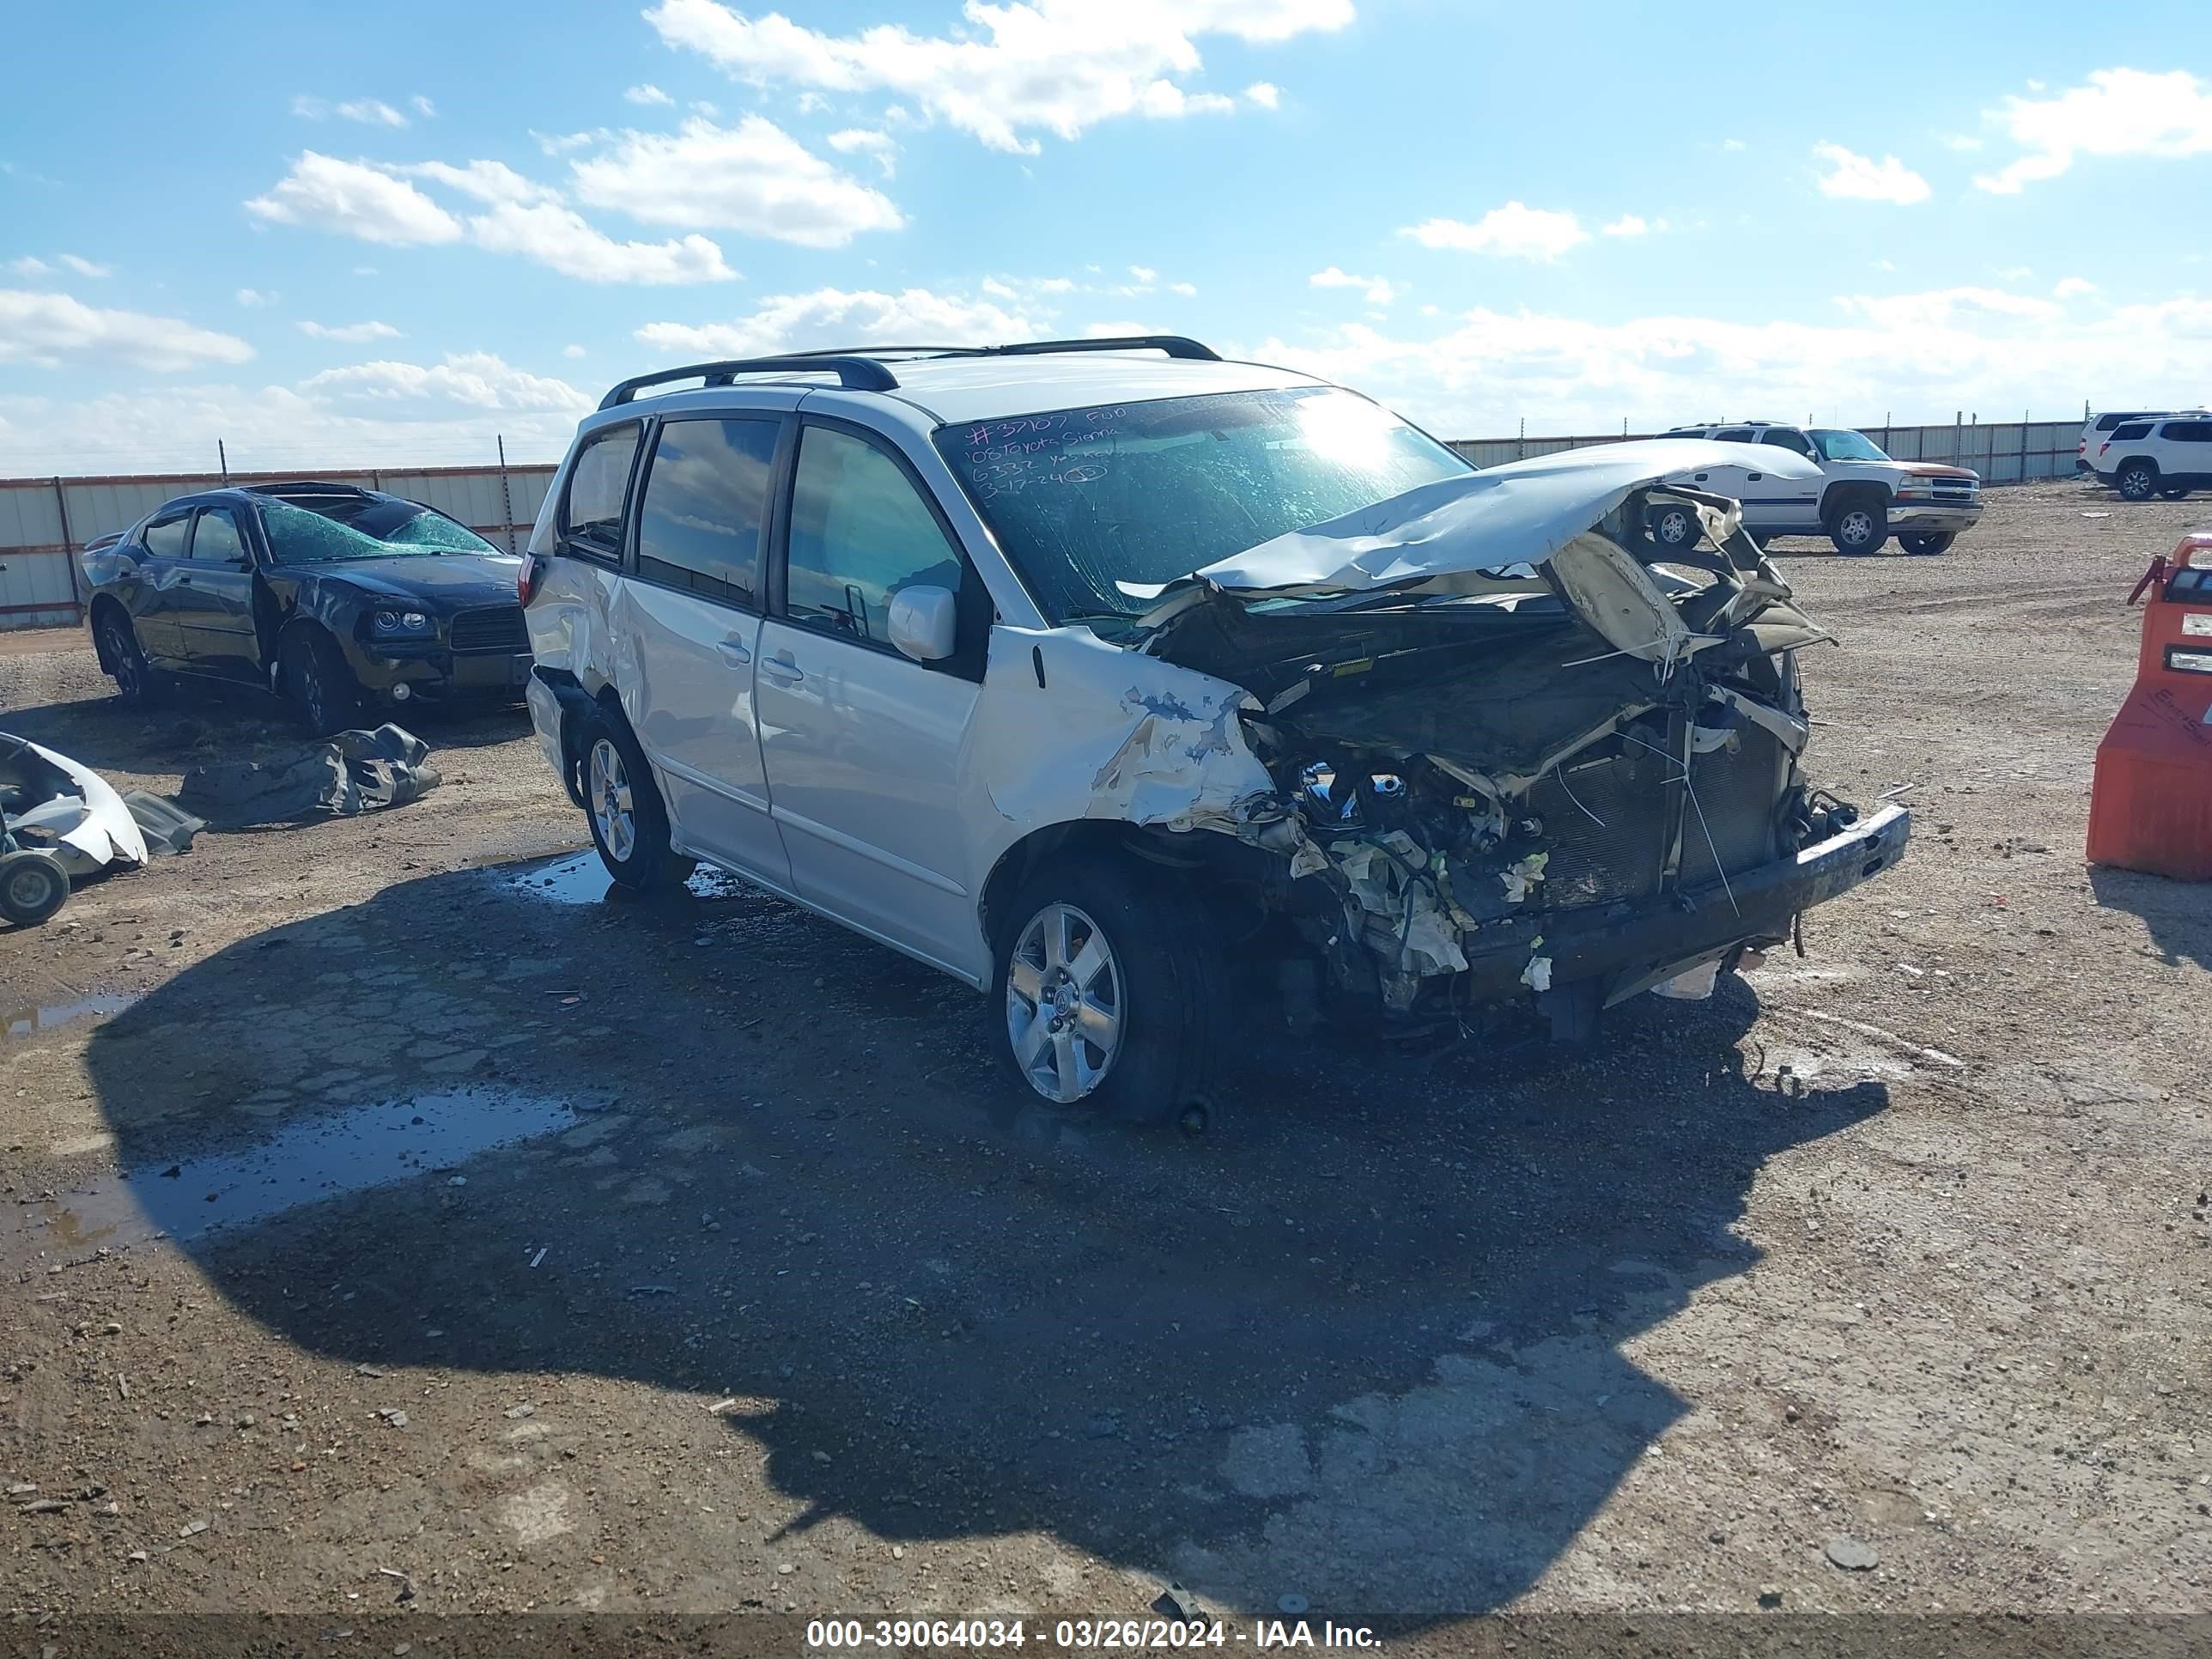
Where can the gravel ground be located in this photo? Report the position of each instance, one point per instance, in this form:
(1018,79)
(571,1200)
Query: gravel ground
(584,1255)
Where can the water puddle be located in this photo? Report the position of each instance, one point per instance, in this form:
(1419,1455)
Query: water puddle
(321,1158)
(580,879)
(29,1022)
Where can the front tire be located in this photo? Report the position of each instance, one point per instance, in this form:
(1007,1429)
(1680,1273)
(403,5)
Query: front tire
(1676,529)
(1859,525)
(134,676)
(1108,992)
(628,820)
(1926,542)
(2137,481)
(33,884)
(324,692)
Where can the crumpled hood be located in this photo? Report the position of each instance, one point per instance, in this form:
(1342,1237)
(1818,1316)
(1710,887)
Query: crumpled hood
(445,581)
(1518,515)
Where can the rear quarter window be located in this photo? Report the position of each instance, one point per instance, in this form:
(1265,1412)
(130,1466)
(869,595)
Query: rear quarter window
(599,488)
(2131,431)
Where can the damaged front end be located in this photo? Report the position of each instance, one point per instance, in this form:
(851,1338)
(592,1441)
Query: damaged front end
(1511,750)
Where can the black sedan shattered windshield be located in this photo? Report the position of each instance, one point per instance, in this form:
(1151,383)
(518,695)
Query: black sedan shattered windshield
(1083,498)
(382,529)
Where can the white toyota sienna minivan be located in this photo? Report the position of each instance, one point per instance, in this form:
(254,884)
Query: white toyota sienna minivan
(1120,682)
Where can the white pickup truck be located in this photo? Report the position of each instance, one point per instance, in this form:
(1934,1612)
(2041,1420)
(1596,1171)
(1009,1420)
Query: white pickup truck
(1863,498)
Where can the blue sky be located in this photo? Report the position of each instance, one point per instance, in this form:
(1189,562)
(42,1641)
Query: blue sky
(331,235)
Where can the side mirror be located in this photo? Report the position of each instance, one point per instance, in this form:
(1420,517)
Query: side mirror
(924,623)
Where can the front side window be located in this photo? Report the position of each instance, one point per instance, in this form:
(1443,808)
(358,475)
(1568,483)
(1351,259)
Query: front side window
(705,494)
(859,533)
(598,485)
(1792,440)
(216,539)
(166,540)
(1843,444)
(1084,500)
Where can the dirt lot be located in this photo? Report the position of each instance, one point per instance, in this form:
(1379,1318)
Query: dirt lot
(588,1254)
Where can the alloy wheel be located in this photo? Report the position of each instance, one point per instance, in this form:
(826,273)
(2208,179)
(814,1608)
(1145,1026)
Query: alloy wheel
(1065,1007)
(613,808)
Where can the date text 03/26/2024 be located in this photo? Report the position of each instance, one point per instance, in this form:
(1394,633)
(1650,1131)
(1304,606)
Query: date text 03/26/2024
(1106,1635)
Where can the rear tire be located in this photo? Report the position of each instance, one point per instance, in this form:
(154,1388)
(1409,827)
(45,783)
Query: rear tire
(33,884)
(1859,525)
(1108,992)
(622,803)
(1926,543)
(2137,481)
(136,680)
(325,694)
(2173,492)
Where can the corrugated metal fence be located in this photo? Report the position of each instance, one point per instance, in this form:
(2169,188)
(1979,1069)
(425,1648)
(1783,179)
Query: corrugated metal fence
(46,522)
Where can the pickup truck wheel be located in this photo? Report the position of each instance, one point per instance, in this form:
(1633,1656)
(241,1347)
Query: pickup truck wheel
(1675,528)
(1108,993)
(2137,481)
(1859,525)
(1926,542)
(628,820)
(324,692)
(136,680)
(2173,492)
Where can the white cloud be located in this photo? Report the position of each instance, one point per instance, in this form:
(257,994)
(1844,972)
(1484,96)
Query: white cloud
(572,351)
(254,298)
(1116,331)
(423,106)
(369,112)
(2121,111)
(753,177)
(1513,231)
(1184,290)
(1058,66)
(997,289)
(1378,290)
(1266,95)
(353,333)
(47,329)
(2016,273)
(560,143)
(354,199)
(561,239)
(84,267)
(1628,224)
(1143,274)
(881,147)
(790,321)
(1918,355)
(648,94)
(2070,287)
(1732,144)
(30,265)
(479,379)
(529,220)
(1862,179)
(487,181)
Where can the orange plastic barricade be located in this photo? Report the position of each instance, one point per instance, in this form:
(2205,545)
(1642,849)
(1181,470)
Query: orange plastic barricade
(2150,808)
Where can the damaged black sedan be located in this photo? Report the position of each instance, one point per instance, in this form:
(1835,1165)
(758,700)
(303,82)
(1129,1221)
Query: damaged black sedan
(339,599)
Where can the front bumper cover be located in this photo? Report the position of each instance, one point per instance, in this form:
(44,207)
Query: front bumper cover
(1627,946)
(1935,518)
(430,671)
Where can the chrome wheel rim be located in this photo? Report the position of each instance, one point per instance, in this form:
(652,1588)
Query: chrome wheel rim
(28,889)
(1674,529)
(1855,527)
(1065,1008)
(613,807)
(2136,486)
(122,649)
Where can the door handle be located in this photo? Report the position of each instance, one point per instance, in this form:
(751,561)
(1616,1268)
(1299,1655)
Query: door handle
(185,580)
(782,670)
(1702,476)
(1754,477)
(734,651)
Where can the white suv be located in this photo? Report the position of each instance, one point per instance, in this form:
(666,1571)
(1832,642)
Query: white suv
(1860,500)
(2161,456)
(1122,680)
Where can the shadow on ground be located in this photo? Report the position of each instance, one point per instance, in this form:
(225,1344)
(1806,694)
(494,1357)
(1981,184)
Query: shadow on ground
(1361,1341)
(2178,914)
(194,722)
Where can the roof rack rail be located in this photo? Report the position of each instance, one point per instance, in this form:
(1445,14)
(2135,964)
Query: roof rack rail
(854,373)
(273,486)
(1175,345)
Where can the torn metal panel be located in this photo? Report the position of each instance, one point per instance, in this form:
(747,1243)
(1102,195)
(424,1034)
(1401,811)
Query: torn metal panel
(353,773)
(64,805)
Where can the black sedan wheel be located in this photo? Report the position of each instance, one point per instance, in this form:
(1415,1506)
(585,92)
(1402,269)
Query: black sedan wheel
(323,689)
(134,676)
